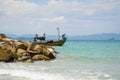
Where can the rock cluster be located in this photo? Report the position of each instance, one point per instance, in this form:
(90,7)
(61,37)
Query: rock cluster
(20,51)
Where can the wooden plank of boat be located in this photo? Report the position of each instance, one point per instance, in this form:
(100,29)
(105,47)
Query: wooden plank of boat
(54,43)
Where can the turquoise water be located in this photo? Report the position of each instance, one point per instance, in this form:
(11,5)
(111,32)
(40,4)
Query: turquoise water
(89,51)
(103,56)
(77,60)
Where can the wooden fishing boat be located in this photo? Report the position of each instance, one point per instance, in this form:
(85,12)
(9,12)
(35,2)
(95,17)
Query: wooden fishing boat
(51,42)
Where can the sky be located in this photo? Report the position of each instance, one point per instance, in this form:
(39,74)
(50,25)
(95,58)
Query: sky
(73,17)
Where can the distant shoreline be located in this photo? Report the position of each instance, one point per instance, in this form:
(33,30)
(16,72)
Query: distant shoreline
(105,36)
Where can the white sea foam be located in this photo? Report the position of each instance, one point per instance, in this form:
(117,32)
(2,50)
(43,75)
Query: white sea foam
(37,75)
(31,75)
(38,72)
(28,72)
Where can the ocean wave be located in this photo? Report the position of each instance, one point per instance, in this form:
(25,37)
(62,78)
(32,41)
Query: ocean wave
(71,75)
(31,75)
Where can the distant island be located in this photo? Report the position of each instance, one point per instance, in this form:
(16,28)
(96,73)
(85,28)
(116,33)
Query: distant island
(104,36)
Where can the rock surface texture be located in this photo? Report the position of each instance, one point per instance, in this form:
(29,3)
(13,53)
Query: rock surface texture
(20,51)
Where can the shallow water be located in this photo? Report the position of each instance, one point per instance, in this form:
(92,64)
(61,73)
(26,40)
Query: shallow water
(78,60)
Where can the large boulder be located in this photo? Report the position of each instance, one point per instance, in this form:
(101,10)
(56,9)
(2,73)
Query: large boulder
(48,53)
(2,36)
(52,50)
(6,56)
(21,45)
(17,50)
(38,48)
(29,61)
(40,57)
(21,51)
(25,43)
(7,40)
(7,46)
(23,58)
(31,46)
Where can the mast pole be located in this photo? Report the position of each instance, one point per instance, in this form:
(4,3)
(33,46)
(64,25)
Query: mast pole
(58,33)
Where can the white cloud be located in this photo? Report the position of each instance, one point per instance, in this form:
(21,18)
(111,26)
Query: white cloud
(89,12)
(61,18)
(88,8)
(55,2)
(12,7)
(33,16)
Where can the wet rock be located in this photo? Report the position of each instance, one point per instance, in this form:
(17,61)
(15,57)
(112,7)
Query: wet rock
(40,57)
(2,36)
(26,54)
(38,48)
(21,45)
(49,54)
(31,46)
(52,50)
(24,58)
(17,50)
(21,51)
(29,61)
(25,43)
(6,56)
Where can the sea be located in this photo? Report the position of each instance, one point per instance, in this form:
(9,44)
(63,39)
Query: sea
(77,60)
